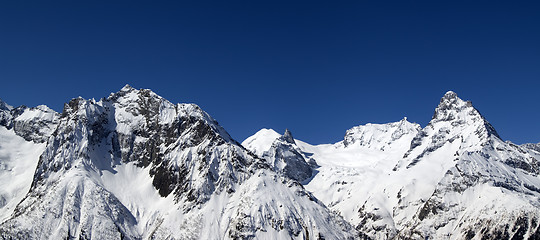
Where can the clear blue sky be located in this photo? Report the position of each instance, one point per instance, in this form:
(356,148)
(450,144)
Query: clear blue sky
(317,68)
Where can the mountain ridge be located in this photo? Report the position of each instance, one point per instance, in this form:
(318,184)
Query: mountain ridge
(135,166)
(430,183)
(176,155)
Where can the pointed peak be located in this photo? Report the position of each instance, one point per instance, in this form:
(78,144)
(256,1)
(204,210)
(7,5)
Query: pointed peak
(404,120)
(127,88)
(45,108)
(449,99)
(450,95)
(5,106)
(72,106)
(287,137)
(451,105)
(405,124)
(460,113)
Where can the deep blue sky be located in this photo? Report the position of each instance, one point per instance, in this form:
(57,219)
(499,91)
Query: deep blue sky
(317,68)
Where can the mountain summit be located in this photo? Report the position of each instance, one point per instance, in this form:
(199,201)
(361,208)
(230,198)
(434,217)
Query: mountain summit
(455,122)
(287,159)
(453,179)
(452,109)
(287,137)
(4,106)
(136,166)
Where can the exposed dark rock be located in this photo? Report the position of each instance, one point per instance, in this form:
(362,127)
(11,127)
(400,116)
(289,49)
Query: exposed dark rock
(287,159)
(287,137)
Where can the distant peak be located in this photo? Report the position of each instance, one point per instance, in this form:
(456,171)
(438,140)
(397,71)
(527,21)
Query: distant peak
(379,136)
(127,88)
(460,112)
(450,95)
(267,132)
(404,123)
(44,108)
(449,106)
(5,106)
(287,137)
(449,99)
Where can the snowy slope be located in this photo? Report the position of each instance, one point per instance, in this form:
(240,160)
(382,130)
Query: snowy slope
(133,165)
(453,179)
(380,136)
(136,166)
(261,141)
(350,173)
(18,161)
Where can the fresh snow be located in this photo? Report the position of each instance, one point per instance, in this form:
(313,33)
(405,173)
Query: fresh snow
(389,179)
(18,161)
(133,187)
(41,112)
(261,141)
(136,166)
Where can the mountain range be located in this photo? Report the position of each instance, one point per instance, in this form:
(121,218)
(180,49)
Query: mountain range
(136,166)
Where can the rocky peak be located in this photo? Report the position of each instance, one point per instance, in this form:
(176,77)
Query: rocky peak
(143,107)
(178,142)
(458,112)
(451,107)
(287,159)
(127,88)
(72,106)
(33,124)
(130,94)
(455,123)
(5,113)
(4,106)
(123,92)
(287,137)
(532,146)
(450,95)
(380,136)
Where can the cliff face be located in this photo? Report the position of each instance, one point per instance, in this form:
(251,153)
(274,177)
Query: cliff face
(134,165)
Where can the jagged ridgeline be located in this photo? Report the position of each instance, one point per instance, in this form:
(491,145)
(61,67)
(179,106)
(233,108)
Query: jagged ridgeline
(453,179)
(135,166)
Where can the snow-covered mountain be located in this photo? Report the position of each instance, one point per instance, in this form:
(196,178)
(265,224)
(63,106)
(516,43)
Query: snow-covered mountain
(453,179)
(283,155)
(135,166)
(532,146)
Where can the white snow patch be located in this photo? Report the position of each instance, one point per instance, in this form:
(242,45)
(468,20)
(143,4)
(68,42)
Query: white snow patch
(261,141)
(132,185)
(18,162)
